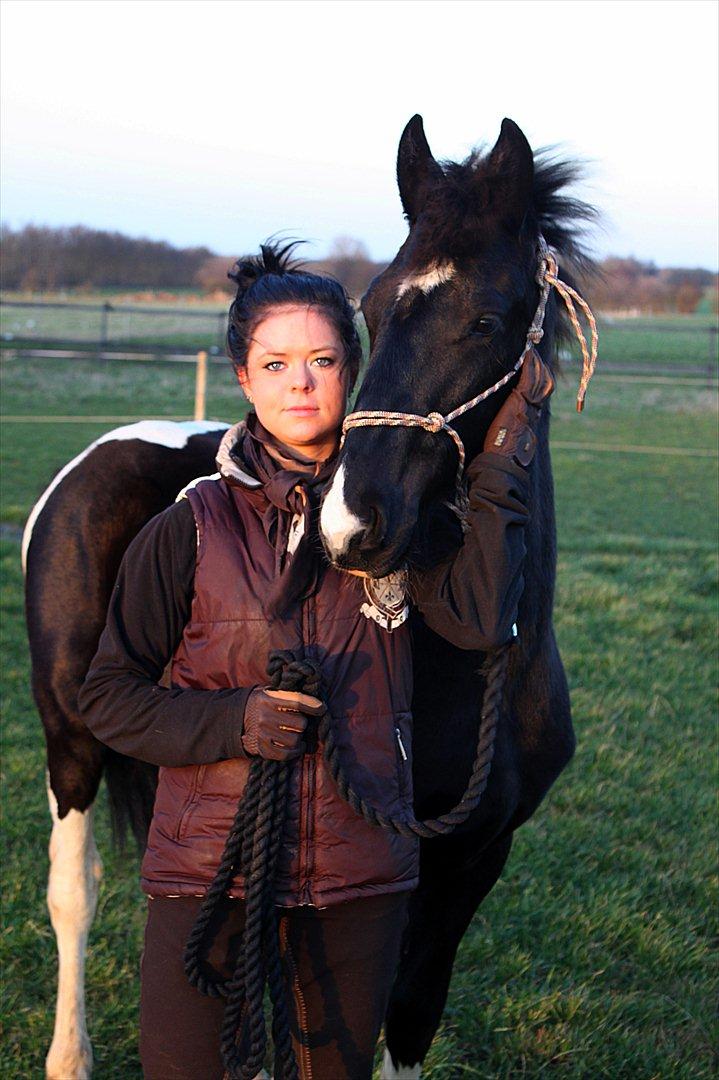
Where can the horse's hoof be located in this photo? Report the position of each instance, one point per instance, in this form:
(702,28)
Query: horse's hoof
(402,1072)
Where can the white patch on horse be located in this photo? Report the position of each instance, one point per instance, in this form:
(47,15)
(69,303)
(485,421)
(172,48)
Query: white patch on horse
(402,1072)
(428,279)
(170,433)
(75,872)
(337,523)
(182,493)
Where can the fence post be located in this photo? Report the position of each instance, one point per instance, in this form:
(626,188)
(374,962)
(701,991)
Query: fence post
(104,316)
(711,367)
(200,385)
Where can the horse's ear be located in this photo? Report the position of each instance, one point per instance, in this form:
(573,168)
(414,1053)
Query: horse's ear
(416,168)
(511,164)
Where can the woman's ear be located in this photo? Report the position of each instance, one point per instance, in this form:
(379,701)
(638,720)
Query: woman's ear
(244,383)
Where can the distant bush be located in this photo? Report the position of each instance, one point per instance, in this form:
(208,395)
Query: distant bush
(39,258)
(348,261)
(628,284)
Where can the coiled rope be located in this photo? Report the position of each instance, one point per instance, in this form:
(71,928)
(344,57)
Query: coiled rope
(253,847)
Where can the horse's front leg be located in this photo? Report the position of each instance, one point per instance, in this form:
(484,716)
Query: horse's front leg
(75,872)
(454,881)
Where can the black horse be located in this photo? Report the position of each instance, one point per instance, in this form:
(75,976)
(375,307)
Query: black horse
(447,318)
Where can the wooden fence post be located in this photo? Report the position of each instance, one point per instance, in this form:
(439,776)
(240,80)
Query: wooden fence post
(200,385)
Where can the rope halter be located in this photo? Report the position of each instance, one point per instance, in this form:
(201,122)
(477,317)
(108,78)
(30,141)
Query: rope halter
(434,422)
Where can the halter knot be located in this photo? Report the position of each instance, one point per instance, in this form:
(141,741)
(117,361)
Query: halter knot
(435,422)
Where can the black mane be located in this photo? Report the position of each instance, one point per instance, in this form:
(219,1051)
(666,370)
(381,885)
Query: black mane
(461,209)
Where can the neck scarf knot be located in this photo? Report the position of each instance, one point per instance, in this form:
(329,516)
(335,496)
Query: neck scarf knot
(293,485)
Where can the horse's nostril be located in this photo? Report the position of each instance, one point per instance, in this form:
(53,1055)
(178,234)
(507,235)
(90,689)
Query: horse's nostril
(374,533)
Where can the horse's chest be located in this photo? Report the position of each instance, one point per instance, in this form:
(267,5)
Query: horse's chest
(446,709)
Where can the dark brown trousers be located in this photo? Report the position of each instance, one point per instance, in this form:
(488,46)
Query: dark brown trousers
(339,964)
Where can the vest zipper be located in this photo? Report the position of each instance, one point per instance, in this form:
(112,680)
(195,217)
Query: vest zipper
(307,782)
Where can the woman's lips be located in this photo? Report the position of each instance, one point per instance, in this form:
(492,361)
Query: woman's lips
(302,409)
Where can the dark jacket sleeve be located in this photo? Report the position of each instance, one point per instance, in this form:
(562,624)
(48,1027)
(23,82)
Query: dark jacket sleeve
(120,700)
(471,597)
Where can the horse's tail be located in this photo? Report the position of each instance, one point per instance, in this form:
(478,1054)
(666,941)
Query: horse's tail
(131,788)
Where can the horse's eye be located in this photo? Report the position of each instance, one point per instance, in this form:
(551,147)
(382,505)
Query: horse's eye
(484,326)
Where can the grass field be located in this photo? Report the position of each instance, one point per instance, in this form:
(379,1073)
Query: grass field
(594,955)
(671,341)
(184,327)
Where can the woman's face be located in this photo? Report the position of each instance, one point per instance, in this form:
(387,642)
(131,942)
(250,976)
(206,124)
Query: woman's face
(297,379)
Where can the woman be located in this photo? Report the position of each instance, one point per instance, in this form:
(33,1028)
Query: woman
(232,571)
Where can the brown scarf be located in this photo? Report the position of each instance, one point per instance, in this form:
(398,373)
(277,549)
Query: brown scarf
(293,484)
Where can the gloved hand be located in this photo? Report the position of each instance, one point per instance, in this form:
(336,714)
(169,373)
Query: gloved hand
(274,722)
(512,433)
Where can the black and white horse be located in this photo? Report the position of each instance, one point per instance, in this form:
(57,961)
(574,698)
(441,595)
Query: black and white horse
(446,319)
(72,546)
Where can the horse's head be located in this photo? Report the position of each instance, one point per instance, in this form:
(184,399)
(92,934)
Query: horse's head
(446,319)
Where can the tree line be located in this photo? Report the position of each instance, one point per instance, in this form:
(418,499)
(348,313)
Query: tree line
(632,285)
(42,259)
(38,258)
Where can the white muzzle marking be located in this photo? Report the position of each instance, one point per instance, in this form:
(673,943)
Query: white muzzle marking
(337,523)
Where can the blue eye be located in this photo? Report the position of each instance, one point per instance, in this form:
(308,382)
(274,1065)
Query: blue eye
(271,365)
(324,361)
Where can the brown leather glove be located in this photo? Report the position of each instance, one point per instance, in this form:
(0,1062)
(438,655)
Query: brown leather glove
(512,433)
(275,721)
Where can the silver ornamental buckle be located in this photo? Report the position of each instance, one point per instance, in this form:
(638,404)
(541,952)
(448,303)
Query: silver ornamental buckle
(386,600)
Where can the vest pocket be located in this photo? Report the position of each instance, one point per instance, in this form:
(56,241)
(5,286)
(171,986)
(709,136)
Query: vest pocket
(193,797)
(403,753)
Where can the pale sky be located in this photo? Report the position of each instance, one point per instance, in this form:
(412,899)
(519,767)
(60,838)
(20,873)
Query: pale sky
(222,121)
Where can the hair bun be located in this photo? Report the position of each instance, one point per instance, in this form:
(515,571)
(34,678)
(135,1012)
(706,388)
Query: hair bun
(273,259)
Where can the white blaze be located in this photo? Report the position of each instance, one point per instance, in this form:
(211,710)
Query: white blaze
(337,523)
(428,279)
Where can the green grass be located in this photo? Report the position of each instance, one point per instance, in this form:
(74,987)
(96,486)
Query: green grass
(593,956)
(649,342)
(193,325)
(654,342)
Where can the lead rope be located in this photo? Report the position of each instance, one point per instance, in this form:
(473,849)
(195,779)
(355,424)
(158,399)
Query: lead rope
(547,278)
(252,848)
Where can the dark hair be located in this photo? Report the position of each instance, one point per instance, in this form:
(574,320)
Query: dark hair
(273,279)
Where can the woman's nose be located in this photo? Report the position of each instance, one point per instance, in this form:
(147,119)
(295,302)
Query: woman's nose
(303,379)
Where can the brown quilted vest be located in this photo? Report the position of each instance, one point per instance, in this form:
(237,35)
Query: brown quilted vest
(329,854)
